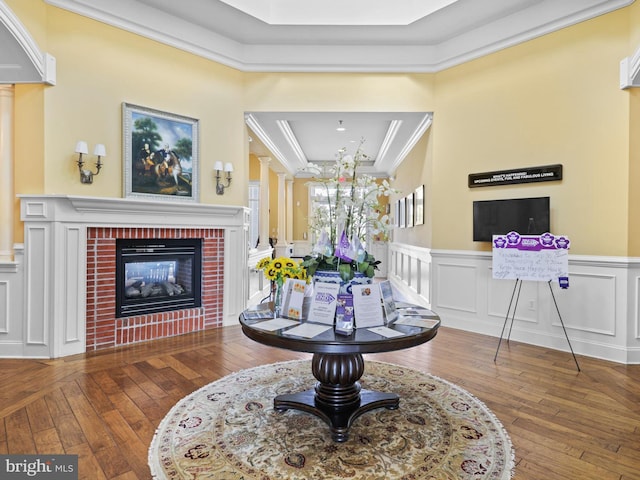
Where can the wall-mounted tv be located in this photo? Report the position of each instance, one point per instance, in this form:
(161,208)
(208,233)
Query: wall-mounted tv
(522,215)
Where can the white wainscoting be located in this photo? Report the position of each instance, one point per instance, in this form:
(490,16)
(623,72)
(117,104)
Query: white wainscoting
(409,269)
(12,305)
(600,309)
(43,293)
(258,285)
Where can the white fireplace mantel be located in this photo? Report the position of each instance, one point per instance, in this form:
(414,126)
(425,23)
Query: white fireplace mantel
(55,242)
(118,211)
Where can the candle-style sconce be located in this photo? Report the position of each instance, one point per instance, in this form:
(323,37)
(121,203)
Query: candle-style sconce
(228,168)
(86,176)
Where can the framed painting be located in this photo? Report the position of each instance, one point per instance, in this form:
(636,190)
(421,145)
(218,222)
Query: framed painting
(410,210)
(402,212)
(419,205)
(161,156)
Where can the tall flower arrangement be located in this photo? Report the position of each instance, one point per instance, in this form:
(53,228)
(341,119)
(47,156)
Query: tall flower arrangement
(353,210)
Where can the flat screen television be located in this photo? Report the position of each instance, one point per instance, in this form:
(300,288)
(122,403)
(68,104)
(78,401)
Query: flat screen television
(522,215)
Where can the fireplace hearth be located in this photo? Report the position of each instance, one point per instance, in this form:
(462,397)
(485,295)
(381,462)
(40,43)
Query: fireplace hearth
(157,275)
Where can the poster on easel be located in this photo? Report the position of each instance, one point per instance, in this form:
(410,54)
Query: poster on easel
(531,257)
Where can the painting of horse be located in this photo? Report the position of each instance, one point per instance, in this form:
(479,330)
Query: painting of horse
(161,155)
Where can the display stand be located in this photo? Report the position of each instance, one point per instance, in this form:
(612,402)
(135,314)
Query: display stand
(530,257)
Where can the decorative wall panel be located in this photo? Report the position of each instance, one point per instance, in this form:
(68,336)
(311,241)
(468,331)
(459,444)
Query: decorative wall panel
(456,287)
(5,295)
(600,309)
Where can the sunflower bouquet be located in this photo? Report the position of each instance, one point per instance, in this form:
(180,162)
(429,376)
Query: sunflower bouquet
(280,268)
(277,271)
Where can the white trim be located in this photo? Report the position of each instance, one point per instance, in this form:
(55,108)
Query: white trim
(56,226)
(630,71)
(600,310)
(43,64)
(524,25)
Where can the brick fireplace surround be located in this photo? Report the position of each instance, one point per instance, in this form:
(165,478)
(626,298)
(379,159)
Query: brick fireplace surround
(69,270)
(105,331)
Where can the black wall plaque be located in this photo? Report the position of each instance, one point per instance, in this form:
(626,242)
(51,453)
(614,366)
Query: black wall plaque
(546,173)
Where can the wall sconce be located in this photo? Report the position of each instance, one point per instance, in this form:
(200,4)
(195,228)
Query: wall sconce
(86,176)
(218,168)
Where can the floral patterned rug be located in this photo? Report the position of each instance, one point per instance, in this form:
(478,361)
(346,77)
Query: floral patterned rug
(228,430)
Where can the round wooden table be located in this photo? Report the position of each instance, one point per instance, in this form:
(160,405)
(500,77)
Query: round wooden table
(338,365)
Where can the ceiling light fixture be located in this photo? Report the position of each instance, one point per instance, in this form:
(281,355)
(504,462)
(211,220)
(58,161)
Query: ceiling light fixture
(340,127)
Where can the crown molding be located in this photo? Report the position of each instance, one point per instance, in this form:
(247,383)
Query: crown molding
(630,71)
(541,18)
(417,135)
(27,63)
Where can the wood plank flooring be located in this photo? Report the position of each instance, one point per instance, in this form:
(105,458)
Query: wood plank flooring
(105,406)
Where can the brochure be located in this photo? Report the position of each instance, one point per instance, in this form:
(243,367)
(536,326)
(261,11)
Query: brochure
(388,304)
(275,324)
(367,306)
(386,332)
(307,330)
(293,298)
(420,311)
(417,321)
(257,314)
(344,313)
(323,303)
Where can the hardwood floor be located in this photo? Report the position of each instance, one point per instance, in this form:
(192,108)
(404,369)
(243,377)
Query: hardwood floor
(105,406)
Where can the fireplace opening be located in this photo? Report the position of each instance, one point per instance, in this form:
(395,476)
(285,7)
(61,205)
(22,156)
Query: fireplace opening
(157,275)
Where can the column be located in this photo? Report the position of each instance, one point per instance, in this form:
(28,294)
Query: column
(6,175)
(264,204)
(282,248)
(289,235)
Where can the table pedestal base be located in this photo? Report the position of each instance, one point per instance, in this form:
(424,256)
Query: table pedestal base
(337,398)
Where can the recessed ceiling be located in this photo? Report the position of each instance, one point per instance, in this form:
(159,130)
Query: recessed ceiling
(299,138)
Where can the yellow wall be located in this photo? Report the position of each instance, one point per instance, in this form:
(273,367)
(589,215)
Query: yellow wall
(29,134)
(100,67)
(634,25)
(254,175)
(634,174)
(301,210)
(416,170)
(551,100)
(29,128)
(254,168)
(327,92)
(634,140)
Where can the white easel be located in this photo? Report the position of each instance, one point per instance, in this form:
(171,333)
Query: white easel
(530,257)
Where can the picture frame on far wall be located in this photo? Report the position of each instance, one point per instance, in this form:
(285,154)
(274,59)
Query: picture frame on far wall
(402,209)
(161,155)
(410,210)
(419,205)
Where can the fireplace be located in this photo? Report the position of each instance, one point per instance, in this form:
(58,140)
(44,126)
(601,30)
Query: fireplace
(70,263)
(106,329)
(157,275)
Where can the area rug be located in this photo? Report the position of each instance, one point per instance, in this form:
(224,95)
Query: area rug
(228,430)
